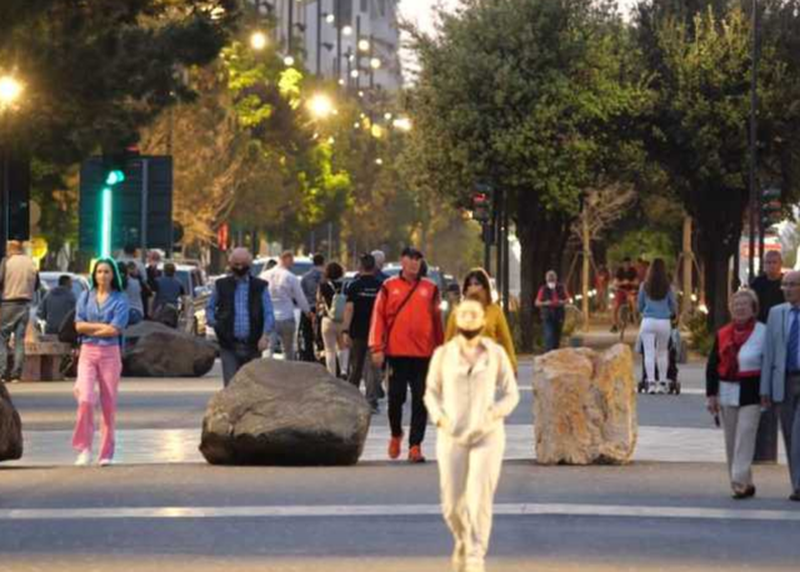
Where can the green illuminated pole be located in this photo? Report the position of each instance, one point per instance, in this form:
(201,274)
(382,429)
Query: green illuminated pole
(107,211)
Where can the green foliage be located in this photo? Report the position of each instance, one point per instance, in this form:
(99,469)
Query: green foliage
(644,242)
(95,72)
(702,339)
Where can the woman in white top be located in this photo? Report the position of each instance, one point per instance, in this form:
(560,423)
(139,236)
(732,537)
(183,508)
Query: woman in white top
(732,387)
(471,389)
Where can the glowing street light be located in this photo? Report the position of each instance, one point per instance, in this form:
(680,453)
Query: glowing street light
(10,91)
(347,30)
(330,18)
(363,45)
(402,123)
(320,106)
(288,61)
(354,74)
(375,63)
(258,41)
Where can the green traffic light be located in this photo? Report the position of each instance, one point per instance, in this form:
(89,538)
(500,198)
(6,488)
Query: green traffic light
(115,177)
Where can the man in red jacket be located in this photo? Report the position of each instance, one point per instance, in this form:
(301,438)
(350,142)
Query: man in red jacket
(406,329)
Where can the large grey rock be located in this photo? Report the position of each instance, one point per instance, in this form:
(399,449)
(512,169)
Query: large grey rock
(10,428)
(285,413)
(156,350)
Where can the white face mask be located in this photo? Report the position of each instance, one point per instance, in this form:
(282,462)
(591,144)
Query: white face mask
(551,285)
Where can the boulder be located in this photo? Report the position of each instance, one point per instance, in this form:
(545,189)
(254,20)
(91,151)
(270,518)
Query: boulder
(10,428)
(156,350)
(584,406)
(285,413)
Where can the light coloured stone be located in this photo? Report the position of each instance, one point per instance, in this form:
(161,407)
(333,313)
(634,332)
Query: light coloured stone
(584,406)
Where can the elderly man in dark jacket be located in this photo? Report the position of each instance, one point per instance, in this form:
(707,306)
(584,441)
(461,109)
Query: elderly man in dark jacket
(240,311)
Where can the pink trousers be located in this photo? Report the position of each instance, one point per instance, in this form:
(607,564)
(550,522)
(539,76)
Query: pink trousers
(98,367)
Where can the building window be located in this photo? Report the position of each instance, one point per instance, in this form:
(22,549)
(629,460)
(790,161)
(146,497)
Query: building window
(364,6)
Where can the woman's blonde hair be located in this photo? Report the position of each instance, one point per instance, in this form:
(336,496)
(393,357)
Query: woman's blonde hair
(749,295)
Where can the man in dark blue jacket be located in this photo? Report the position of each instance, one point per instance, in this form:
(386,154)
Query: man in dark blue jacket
(240,311)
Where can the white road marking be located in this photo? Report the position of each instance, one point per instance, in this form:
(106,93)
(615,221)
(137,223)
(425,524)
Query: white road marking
(365,511)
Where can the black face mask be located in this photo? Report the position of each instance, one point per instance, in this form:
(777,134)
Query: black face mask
(241,271)
(470,334)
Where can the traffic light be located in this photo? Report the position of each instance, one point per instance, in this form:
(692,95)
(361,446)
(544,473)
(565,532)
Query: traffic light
(771,206)
(482,203)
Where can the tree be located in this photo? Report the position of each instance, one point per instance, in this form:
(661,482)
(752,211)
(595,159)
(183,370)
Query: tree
(535,97)
(698,132)
(95,72)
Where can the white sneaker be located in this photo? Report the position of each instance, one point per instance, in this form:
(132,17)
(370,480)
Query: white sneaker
(652,388)
(662,388)
(84,458)
(105,462)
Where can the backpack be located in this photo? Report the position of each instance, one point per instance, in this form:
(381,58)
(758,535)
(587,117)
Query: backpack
(336,309)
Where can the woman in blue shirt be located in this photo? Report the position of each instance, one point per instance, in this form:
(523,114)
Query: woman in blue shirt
(100,317)
(657,306)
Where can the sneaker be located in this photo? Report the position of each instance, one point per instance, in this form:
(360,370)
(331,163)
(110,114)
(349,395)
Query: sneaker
(105,462)
(84,458)
(415,455)
(652,388)
(614,329)
(14,380)
(395,444)
(662,388)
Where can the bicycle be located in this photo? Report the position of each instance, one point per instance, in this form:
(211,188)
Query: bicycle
(628,314)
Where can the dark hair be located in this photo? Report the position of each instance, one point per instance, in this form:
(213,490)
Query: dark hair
(479,275)
(318,260)
(423,268)
(116,280)
(64,280)
(367,262)
(272,263)
(169,269)
(129,248)
(657,283)
(626,259)
(333,271)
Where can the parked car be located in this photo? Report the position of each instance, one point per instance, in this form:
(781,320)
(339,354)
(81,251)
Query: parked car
(302,264)
(49,280)
(193,310)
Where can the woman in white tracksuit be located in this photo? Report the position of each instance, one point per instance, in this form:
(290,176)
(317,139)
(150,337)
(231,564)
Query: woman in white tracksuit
(471,388)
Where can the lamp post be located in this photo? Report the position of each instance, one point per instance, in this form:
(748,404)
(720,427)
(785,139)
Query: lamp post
(10,91)
(753,163)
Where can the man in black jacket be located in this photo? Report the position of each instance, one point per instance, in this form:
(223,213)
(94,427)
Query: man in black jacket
(240,311)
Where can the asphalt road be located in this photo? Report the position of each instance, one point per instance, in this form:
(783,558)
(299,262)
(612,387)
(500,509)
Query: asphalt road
(377,515)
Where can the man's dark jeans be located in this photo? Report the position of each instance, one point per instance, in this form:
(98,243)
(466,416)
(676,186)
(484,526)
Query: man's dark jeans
(405,372)
(552,333)
(13,320)
(361,366)
(233,359)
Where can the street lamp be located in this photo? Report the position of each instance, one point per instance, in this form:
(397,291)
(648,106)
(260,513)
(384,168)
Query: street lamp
(375,63)
(288,61)
(320,106)
(363,45)
(258,40)
(402,123)
(347,30)
(10,91)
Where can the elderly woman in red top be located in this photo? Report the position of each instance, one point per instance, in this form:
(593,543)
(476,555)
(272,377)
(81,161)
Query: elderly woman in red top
(732,387)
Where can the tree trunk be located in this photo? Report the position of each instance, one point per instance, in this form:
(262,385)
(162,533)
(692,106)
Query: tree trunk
(542,237)
(716,253)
